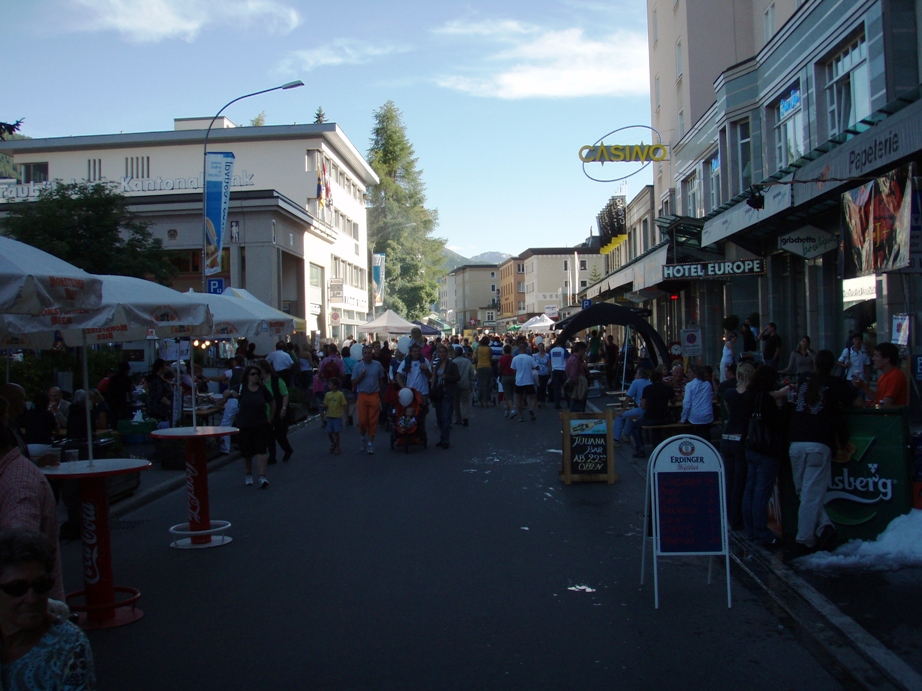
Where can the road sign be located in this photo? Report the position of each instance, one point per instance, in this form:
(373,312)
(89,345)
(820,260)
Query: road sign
(691,343)
(587,304)
(215,285)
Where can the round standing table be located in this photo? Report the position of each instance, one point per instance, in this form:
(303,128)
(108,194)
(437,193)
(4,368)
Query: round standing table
(200,532)
(101,610)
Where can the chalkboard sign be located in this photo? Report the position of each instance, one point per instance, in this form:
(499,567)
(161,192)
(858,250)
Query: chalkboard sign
(688,509)
(588,455)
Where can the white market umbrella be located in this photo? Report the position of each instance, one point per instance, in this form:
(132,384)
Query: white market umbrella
(33,281)
(240,318)
(542,321)
(389,322)
(131,309)
(299,323)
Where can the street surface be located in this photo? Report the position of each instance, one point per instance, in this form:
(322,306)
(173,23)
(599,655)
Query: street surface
(473,567)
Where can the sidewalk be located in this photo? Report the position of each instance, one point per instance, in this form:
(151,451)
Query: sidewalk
(868,625)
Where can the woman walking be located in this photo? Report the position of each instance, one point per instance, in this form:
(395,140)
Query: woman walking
(484,364)
(543,361)
(445,377)
(256,409)
(802,360)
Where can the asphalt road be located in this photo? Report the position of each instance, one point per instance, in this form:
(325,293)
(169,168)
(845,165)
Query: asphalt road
(469,568)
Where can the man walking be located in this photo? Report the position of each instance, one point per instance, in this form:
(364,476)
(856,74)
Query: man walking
(525,391)
(465,384)
(558,371)
(367,379)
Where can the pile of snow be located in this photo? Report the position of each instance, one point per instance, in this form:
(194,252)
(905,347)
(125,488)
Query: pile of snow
(898,547)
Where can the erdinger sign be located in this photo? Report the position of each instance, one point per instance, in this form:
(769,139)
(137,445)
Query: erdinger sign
(721,269)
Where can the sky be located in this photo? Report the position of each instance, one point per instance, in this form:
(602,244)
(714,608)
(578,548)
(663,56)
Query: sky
(497,97)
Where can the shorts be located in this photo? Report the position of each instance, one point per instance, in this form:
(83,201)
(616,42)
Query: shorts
(527,390)
(334,424)
(254,441)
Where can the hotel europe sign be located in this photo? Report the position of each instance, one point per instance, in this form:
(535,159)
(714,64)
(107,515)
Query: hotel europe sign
(714,270)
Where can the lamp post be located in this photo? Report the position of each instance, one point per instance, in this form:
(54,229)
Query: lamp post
(289,85)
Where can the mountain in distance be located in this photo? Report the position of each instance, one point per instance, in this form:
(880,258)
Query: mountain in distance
(453,260)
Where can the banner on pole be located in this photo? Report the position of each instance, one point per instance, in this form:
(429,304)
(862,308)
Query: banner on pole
(219,173)
(377,275)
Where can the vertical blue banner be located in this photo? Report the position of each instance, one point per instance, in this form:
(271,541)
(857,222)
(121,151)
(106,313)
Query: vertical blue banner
(219,169)
(377,276)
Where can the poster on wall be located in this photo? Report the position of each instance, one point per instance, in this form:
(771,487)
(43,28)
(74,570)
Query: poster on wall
(900,330)
(876,225)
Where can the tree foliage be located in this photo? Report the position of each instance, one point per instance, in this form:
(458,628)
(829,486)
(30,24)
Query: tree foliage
(320,117)
(399,224)
(90,226)
(259,120)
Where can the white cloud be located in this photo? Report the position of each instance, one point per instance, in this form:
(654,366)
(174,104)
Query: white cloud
(149,21)
(339,52)
(559,64)
(498,29)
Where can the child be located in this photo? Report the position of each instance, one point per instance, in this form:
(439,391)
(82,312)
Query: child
(334,403)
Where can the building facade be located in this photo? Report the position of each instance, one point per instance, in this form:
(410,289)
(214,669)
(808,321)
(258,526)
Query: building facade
(470,296)
(281,244)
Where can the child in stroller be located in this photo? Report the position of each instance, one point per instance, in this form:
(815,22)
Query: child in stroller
(406,430)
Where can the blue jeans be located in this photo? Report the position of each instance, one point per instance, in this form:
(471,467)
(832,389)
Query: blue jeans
(735,467)
(443,411)
(624,423)
(760,481)
(577,406)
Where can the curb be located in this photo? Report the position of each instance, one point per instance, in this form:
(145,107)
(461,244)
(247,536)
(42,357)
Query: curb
(174,482)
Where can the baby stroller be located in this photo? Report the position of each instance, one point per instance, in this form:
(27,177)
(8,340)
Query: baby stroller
(406,430)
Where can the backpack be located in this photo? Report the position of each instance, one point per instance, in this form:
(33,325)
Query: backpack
(330,370)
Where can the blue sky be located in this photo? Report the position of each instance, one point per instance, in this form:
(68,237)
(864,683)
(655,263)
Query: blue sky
(497,97)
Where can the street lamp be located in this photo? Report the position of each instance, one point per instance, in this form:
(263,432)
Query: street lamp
(289,85)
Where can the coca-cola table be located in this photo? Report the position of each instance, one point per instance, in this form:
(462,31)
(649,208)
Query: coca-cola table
(200,532)
(101,610)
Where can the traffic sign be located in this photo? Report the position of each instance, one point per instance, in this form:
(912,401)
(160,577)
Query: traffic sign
(215,286)
(587,304)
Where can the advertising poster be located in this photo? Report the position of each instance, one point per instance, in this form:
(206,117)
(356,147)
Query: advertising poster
(876,219)
(219,174)
(901,330)
(377,276)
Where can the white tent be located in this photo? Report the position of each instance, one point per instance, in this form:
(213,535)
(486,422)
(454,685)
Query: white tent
(389,322)
(253,320)
(299,324)
(131,309)
(542,321)
(33,281)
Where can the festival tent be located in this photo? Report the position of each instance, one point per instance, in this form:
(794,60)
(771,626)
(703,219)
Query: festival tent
(426,329)
(542,321)
(33,281)
(389,322)
(300,325)
(253,320)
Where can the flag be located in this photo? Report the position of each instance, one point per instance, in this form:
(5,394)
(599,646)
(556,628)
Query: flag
(320,189)
(219,175)
(327,190)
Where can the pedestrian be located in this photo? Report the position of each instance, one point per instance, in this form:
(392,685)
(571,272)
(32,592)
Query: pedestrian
(543,372)
(577,379)
(611,362)
(484,364)
(525,368)
(334,403)
(801,362)
(765,440)
(444,384)
(414,373)
(771,345)
(595,347)
(698,403)
(559,356)
(507,379)
(624,419)
(281,362)
(654,402)
(159,394)
(892,387)
(462,404)
(738,403)
(750,345)
(855,360)
(256,408)
(816,427)
(349,363)
(279,390)
(368,379)
(727,357)
(234,377)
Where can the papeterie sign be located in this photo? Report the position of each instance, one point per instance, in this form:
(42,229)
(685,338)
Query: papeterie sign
(721,269)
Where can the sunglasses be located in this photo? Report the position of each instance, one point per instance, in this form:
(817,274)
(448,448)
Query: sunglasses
(254,374)
(40,585)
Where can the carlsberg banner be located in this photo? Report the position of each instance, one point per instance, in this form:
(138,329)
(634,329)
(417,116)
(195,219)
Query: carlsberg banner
(219,173)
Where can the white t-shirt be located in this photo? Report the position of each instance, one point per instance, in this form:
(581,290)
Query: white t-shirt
(856,362)
(524,366)
(558,358)
(414,378)
(280,360)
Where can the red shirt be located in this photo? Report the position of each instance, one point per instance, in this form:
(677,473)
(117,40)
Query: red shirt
(504,366)
(892,384)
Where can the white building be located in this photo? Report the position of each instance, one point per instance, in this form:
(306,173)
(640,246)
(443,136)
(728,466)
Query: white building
(279,245)
(469,296)
(554,275)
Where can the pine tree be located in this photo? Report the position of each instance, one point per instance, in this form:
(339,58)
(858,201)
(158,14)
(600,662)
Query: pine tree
(399,224)
(259,120)
(320,117)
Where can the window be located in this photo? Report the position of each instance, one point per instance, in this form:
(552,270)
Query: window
(316,276)
(768,22)
(582,264)
(690,195)
(789,132)
(656,91)
(678,60)
(492,274)
(521,287)
(681,124)
(583,284)
(521,305)
(490,315)
(93,169)
(848,94)
(744,154)
(137,166)
(492,287)
(33,172)
(566,265)
(647,240)
(655,24)
(520,268)
(715,181)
